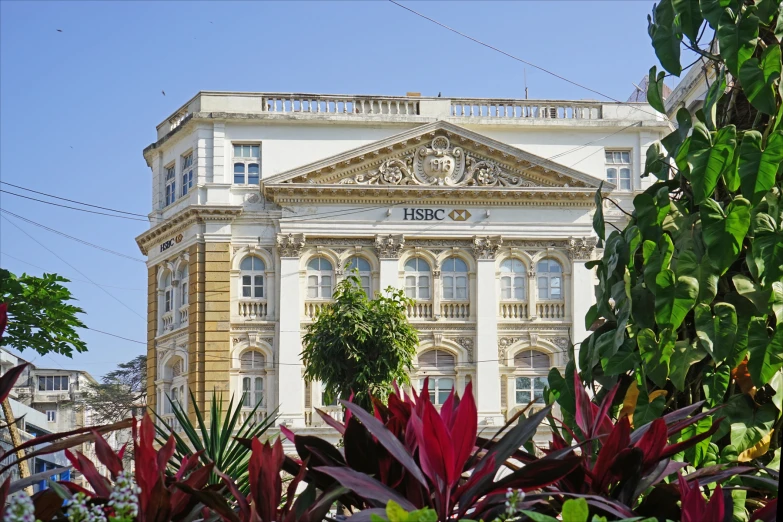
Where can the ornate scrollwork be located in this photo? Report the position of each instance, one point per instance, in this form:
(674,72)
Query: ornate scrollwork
(581,248)
(290,245)
(389,246)
(486,247)
(467,343)
(439,164)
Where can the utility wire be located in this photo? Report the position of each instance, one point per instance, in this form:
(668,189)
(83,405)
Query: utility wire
(74,268)
(115,335)
(514,57)
(73,200)
(69,278)
(73,238)
(70,207)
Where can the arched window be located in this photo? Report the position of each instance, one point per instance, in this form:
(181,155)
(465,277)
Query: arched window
(363,266)
(532,368)
(176,392)
(512,280)
(417,278)
(454,274)
(319,278)
(252,277)
(550,279)
(440,367)
(168,293)
(183,285)
(252,366)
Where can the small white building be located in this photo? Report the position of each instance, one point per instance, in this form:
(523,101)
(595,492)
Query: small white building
(480,209)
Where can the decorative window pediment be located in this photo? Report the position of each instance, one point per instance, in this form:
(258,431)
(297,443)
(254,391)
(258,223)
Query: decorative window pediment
(433,158)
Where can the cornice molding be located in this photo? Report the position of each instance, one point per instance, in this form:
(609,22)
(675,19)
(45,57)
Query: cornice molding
(185,218)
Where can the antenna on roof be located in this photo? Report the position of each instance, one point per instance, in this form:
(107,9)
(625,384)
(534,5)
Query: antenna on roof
(525,70)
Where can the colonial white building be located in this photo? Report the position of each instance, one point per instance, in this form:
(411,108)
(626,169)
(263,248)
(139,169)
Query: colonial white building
(481,209)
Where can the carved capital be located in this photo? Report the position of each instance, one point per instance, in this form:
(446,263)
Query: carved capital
(290,245)
(581,248)
(389,246)
(486,247)
(467,343)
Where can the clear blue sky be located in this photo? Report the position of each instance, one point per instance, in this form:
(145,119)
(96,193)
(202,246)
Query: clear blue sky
(78,106)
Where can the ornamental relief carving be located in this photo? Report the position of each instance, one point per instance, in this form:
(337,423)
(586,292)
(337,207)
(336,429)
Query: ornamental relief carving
(581,248)
(439,164)
(389,246)
(290,245)
(486,247)
(467,344)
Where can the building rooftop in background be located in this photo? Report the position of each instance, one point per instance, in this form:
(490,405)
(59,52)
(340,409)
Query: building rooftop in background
(639,94)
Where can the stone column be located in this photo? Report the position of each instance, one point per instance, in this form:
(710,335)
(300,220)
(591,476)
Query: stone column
(152,333)
(582,295)
(388,248)
(487,365)
(290,382)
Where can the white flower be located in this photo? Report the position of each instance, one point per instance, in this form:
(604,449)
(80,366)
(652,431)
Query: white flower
(20,508)
(124,497)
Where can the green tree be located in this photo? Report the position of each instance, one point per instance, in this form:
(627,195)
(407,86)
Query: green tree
(690,293)
(360,345)
(39,315)
(120,392)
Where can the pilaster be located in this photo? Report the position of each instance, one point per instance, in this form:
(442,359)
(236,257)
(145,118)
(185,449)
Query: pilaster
(487,364)
(152,332)
(580,251)
(388,248)
(290,382)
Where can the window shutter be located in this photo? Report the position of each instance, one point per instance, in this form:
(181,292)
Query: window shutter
(428,359)
(445,360)
(532,359)
(308,400)
(503,394)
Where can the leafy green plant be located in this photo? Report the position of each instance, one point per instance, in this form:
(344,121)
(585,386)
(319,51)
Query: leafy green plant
(690,293)
(358,345)
(220,441)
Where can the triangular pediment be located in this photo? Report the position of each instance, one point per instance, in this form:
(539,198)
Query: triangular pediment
(437,158)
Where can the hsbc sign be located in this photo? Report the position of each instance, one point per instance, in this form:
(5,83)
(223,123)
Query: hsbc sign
(434,214)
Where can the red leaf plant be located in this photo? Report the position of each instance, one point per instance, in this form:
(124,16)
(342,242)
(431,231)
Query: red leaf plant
(410,452)
(618,465)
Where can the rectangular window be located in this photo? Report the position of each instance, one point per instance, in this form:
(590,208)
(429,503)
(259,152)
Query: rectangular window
(247,164)
(187,172)
(51,415)
(171,185)
(618,168)
(53,383)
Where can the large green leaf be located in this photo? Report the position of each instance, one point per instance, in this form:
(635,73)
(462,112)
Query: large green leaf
(655,162)
(703,272)
(724,232)
(656,354)
(643,306)
(745,421)
(766,354)
(757,168)
(752,292)
(674,297)
(716,382)
(696,454)
(665,37)
(737,37)
(658,260)
(624,360)
(671,142)
(776,302)
(655,89)
(650,211)
(714,94)
(713,9)
(598,218)
(647,411)
(707,160)
(683,356)
(716,333)
(689,15)
(758,79)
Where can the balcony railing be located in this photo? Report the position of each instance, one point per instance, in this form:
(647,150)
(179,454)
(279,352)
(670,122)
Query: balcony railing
(522,109)
(312,308)
(420,310)
(513,310)
(167,322)
(313,419)
(183,315)
(364,105)
(256,417)
(550,309)
(455,310)
(252,309)
(171,421)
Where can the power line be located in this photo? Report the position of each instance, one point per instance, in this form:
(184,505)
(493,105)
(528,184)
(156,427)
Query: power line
(70,207)
(73,267)
(514,57)
(69,278)
(73,238)
(72,200)
(115,335)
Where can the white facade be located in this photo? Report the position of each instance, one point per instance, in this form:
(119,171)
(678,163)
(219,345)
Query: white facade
(480,209)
